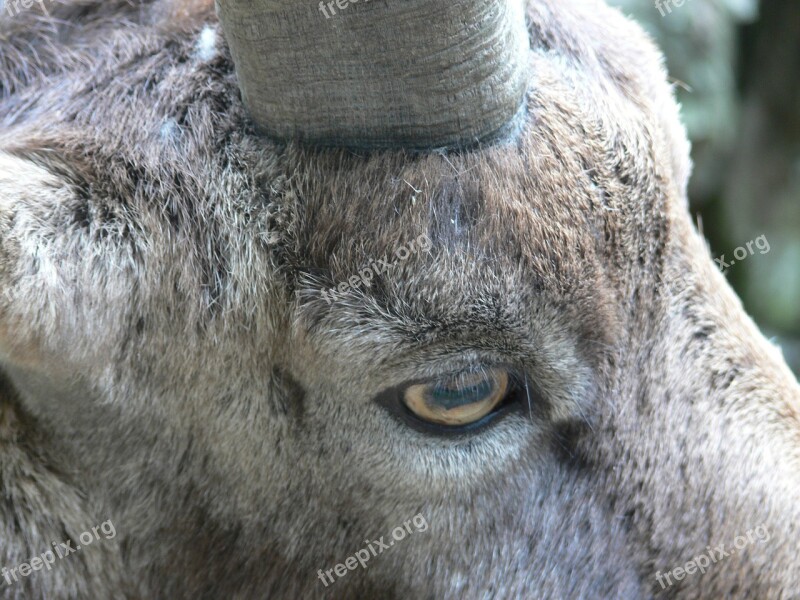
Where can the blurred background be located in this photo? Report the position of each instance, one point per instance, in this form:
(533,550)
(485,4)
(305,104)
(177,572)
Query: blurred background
(736,68)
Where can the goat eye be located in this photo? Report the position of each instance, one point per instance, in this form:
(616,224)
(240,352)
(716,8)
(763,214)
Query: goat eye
(460,400)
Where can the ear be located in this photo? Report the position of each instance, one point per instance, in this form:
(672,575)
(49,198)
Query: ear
(48,264)
(50,282)
(28,192)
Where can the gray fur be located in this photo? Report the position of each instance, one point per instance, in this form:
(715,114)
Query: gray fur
(169,362)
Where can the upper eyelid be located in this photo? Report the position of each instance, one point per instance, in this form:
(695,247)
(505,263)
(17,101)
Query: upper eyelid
(454,356)
(515,376)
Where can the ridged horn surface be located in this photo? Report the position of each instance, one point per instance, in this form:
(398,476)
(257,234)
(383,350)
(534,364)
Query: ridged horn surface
(380,73)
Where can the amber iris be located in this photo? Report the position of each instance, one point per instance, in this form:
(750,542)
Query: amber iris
(459,400)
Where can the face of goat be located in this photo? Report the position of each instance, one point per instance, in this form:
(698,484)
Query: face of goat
(191,346)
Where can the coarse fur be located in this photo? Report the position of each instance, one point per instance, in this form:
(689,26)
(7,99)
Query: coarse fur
(169,362)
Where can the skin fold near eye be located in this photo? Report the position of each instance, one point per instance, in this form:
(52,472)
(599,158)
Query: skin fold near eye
(459,400)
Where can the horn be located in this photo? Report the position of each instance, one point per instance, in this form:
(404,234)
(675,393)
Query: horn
(380,73)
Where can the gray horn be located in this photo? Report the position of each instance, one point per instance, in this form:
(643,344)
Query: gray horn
(380,73)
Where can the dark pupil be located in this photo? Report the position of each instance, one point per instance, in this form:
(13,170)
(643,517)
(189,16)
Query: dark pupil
(449,397)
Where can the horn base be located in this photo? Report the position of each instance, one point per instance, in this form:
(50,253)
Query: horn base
(380,73)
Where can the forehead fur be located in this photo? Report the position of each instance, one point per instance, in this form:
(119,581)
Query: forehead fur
(565,221)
